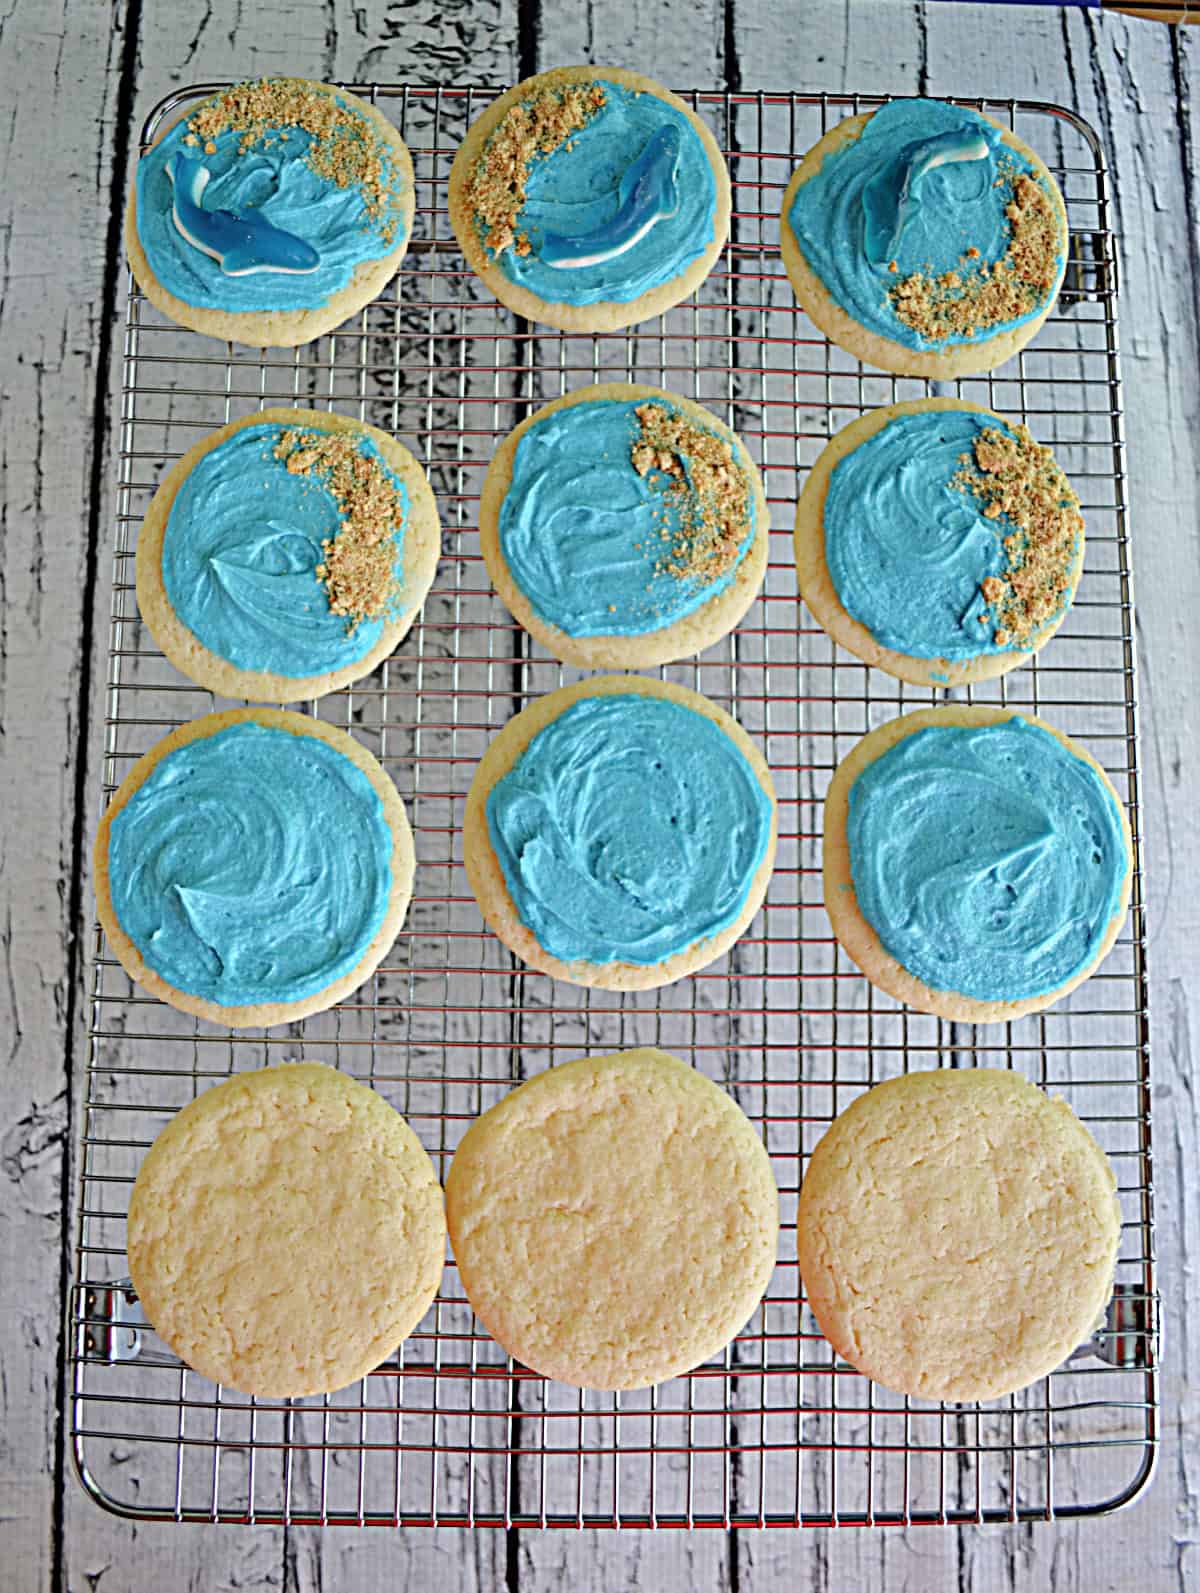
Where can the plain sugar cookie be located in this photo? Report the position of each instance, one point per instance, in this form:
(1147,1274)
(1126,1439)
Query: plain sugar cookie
(286,1231)
(614,1220)
(957,1233)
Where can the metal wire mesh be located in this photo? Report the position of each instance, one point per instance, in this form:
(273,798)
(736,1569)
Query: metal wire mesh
(775,1431)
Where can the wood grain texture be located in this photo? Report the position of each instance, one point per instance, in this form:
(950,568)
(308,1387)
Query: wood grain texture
(83,68)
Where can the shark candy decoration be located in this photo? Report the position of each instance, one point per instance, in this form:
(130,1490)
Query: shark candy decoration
(243,245)
(648,192)
(887,207)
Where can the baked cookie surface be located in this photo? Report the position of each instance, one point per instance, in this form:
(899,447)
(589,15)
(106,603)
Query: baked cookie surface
(271,212)
(253,867)
(614,1220)
(957,1233)
(287,554)
(286,1231)
(590,198)
(620,832)
(624,527)
(938,541)
(977,862)
(925,239)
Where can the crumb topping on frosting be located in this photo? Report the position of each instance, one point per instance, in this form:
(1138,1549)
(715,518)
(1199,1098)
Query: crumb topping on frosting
(535,126)
(345,150)
(359,568)
(968,301)
(709,489)
(1017,478)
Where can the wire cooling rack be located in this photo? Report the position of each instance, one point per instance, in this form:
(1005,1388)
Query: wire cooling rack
(776,1431)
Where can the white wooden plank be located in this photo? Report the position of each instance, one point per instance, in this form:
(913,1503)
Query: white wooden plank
(54,146)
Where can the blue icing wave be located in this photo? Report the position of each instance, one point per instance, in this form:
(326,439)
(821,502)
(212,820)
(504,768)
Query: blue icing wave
(252,866)
(628,829)
(577,189)
(906,551)
(581,531)
(840,215)
(275,178)
(240,551)
(989,860)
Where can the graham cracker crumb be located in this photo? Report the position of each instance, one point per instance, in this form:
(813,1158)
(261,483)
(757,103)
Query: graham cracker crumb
(1015,477)
(960,303)
(535,126)
(345,150)
(358,571)
(708,486)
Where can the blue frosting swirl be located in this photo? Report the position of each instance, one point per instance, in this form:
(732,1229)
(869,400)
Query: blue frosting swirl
(274,178)
(906,551)
(874,189)
(581,531)
(988,859)
(251,866)
(630,828)
(576,189)
(240,553)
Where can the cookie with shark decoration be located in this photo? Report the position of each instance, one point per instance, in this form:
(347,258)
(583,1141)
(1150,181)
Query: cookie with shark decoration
(590,198)
(925,239)
(271,212)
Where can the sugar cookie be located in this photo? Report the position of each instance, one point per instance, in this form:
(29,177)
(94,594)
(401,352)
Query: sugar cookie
(614,1220)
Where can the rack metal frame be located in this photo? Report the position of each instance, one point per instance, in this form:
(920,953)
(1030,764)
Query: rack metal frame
(776,1431)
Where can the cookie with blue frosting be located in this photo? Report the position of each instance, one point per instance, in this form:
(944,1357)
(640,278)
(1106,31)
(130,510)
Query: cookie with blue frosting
(253,867)
(590,198)
(287,554)
(924,239)
(938,541)
(620,832)
(977,862)
(271,212)
(624,527)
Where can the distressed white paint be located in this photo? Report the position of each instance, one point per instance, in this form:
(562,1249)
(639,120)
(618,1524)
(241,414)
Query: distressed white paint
(60,64)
